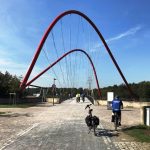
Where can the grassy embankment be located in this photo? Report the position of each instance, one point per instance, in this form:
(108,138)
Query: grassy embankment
(1,113)
(17,106)
(141,133)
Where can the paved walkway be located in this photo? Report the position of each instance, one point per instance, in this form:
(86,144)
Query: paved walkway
(62,127)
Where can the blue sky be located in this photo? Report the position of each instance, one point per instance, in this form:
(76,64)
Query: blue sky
(125,26)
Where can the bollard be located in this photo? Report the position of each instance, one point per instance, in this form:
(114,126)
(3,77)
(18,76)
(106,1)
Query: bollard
(142,115)
(145,115)
(148,116)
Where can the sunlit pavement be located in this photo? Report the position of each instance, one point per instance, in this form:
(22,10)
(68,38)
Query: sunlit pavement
(62,127)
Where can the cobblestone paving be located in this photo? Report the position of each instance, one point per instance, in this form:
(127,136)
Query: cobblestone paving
(132,146)
(62,127)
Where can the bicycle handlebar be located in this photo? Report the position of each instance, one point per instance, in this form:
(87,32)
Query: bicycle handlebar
(88,106)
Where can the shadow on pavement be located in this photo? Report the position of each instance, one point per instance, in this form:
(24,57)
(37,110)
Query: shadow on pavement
(46,105)
(104,132)
(126,110)
(16,115)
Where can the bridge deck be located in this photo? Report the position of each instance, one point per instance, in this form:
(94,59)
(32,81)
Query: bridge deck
(62,127)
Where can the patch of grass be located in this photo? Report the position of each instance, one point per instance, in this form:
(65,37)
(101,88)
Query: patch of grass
(2,113)
(141,133)
(17,106)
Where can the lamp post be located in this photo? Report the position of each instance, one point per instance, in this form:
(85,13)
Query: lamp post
(54,88)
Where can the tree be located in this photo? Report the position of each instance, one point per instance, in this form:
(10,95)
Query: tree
(8,84)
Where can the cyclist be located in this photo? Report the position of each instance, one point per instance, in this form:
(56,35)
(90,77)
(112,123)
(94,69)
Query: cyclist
(83,97)
(117,105)
(78,97)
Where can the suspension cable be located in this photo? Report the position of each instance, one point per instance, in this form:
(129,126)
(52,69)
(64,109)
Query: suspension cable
(75,60)
(63,43)
(70,33)
(57,55)
(47,58)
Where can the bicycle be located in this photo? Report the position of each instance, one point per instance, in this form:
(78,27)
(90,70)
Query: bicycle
(83,98)
(91,121)
(116,118)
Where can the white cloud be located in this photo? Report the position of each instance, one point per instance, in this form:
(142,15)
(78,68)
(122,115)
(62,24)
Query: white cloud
(130,32)
(6,64)
(14,68)
(14,47)
(14,36)
(10,63)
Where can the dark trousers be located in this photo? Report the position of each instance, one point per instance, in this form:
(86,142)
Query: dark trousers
(119,115)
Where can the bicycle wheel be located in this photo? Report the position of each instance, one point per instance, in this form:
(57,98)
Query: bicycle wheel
(94,128)
(115,121)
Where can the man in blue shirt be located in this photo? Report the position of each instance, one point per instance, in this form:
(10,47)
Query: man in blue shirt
(117,105)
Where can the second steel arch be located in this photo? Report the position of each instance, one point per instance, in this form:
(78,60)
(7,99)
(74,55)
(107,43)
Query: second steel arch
(59,59)
(47,33)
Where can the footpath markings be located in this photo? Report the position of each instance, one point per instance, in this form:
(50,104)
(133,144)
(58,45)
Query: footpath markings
(11,140)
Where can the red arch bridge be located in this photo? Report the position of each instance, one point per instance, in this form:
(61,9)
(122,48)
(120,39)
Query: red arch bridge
(59,20)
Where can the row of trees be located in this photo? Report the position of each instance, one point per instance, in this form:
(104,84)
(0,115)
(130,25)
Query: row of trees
(10,84)
(141,91)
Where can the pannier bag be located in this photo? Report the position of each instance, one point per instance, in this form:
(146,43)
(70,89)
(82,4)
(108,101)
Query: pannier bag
(96,120)
(88,121)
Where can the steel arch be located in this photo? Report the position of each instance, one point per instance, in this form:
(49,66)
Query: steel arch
(47,33)
(59,59)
